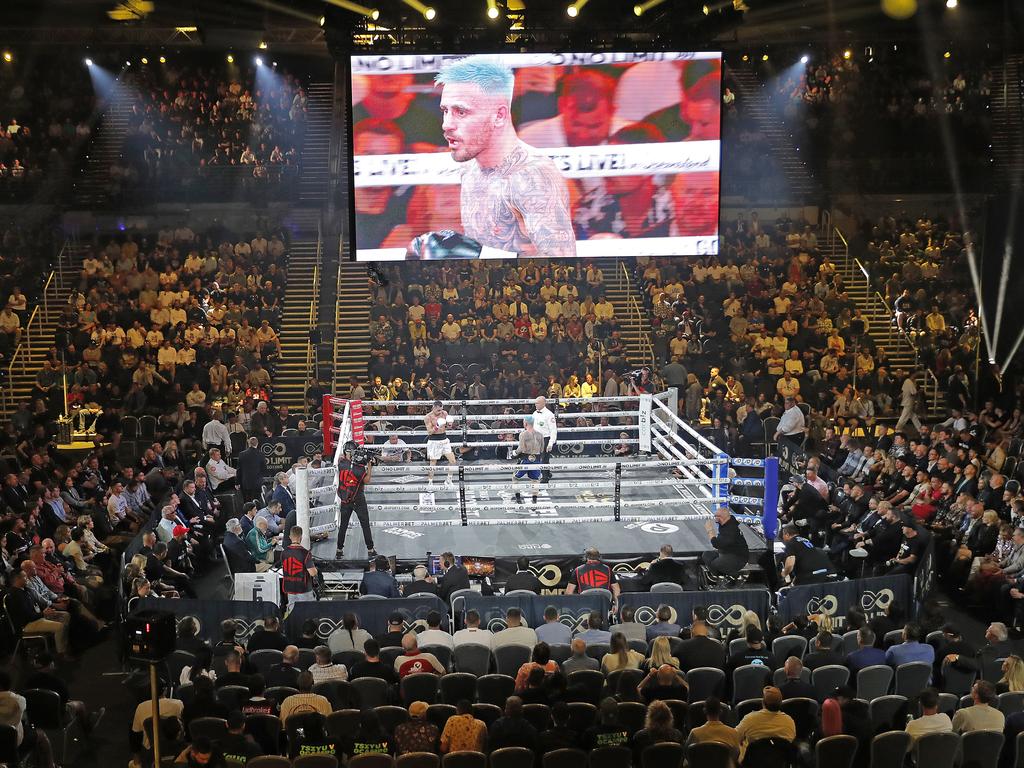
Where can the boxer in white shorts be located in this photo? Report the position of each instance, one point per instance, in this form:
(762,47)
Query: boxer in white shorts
(438,445)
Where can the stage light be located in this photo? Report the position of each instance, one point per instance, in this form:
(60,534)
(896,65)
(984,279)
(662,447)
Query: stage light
(259,61)
(430,14)
(899,9)
(645,6)
(705,10)
(88,62)
(163,59)
(231,59)
(374,14)
(274,64)
(745,57)
(128,63)
(323,20)
(572,11)
(145,60)
(8,57)
(492,12)
(951,4)
(804,59)
(946,55)
(847,53)
(263,45)
(765,57)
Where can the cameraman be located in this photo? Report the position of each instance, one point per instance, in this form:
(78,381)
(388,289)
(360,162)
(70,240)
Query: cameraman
(353,475)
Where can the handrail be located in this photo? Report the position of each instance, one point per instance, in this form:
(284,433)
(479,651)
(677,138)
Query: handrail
(337,321)
(314,305)
(636,314)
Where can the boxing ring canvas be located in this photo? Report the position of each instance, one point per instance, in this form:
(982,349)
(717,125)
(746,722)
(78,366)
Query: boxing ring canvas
(628,506)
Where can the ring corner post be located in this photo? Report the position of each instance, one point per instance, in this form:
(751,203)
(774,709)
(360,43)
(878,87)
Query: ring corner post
(721,481)
(770,511)
(302,503)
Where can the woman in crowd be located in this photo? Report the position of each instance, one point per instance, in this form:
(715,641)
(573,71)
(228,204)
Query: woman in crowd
(659,727)
(661,654)
(1012,680)
(200,667)
(621,656)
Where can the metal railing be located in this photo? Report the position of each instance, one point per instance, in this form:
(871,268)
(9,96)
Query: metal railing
(337,322)
(638,318)
(312,355)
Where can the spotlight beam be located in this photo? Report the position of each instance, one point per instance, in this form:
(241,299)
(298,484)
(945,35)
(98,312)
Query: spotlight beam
(1004,275)
(645,6)
(1013,350)
(284,9)
(416,5)
(574,9)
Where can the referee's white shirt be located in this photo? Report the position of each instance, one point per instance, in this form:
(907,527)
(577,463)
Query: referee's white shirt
(544,422)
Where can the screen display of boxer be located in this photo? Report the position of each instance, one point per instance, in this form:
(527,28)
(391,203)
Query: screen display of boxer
(541,154)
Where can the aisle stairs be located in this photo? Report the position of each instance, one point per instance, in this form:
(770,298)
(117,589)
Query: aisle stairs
(314,170)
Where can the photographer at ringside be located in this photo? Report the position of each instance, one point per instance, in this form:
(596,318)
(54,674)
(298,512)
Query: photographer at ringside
(353,475)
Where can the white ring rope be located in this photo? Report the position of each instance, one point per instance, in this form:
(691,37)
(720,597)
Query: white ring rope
(553,485)
(456,523)
(578,466)
(467,401)
(561,416)
(496,431)
(506,505)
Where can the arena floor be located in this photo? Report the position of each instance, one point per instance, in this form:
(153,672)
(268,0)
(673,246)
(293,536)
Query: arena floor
(547,528)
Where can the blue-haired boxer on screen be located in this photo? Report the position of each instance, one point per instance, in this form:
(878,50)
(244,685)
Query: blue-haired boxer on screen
(513,198)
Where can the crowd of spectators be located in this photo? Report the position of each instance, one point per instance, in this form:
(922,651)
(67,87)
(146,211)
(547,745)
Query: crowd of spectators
(194,132)
(875,118)
(45,123)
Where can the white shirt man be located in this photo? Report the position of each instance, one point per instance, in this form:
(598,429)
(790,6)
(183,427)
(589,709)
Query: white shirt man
(216,435)
(792,423)
(544,421)
(220,473)
(394,450)
(472,634)
(515,633)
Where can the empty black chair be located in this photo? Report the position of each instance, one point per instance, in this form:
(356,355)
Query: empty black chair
(538,715)
(745,707)
(421,686)
(836,751)
(391,717)
(297,724)
(749,681)
(610,757)
(804,712)
(213,728)
(704,682)
(560,652)
(1018,761)
(912,677)
(664,755)
(342,724)
(338,692)
(590,681)
(632,715)
(441,652)
(957,681)
(889,750)
(264,659)
(1010,702)
(874,681)
(464,760)
(472,658)
(789,645)
(710,754)
(494,689)
(509,658)
(938,750)
(581,715)
(232,696)
(438,714)
(598,650)
(268,761)
(511,757)
(487,713)
(981,749)
(561,758)
(770,753)
(417,760)
(456,686)
(626,684)
(265,731)
(827,678)
(348,658)
(279,693)
(371,760)
(888,712)
(369,692)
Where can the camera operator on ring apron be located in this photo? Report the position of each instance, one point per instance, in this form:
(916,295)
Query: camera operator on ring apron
(297,569)
(353,475)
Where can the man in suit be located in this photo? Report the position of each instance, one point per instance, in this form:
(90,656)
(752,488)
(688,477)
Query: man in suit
(240,559)
(252,465)
(700,650)
(664,569)
(421,583)
(455,577)
(523,578)
(283,493)
(822,655)
(379,581)
(866,654)
(955,651)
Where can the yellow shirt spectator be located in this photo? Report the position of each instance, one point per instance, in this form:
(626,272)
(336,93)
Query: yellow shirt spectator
(788,386)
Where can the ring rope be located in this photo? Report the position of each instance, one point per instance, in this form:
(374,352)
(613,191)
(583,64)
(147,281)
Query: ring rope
(505,505)
(500,416)
(554,485)
(518,401)
(418,432)
(456,523)
(578,466)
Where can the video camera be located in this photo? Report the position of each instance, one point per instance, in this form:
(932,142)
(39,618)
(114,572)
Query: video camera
(362,454)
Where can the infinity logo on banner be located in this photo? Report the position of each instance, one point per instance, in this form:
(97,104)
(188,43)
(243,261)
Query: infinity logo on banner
(827,604)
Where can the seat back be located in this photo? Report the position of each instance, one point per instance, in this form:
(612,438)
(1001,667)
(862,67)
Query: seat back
(330,761)
(981,749)
(826,679)
(560,652)
(213,728)
(938,750)
(559,758)
(892,637)
(848,643)
(1010,702)
(957,681)
(581,715)
(770,753)
(538,715)
(464,760)
(889,750)
(874,681)
(279,693)
(266,731)
(666,586)
(495,689)
(369,692)
(632,715)
(709,754)
(888,712)
(588,681)
(704,682)
(747,706)
(664,755)
(232,696)
(342,724)
(749,681)
(509,658)
(789,645)
(418,760)
(626,683)
(487,713)
(44,708)
(264,659)
(804,713)
(456,686)
(912,677)
(737,645)
(421,686)
(598,650)
(439,714)
(472,658)
(836,751)
(610,757)
(269,761)
(441,652)
(391,717)
(511,757)
(338,692)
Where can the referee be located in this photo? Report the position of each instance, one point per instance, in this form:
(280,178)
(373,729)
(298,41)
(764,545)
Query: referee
(544,422)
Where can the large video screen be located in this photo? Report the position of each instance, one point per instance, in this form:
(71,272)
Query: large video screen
(535,155)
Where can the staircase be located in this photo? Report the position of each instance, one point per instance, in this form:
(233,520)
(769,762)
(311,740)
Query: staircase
(293,370)
(1007,116)
(314,176)
(757,107)
(881,328)
(93,186)
(630,313)
(39,329)
(352,334)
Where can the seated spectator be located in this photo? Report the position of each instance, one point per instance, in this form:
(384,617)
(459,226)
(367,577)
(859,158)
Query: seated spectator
(392,637)
(433,634)
(714,729)
(267,635)
(579,660)
(541,659)
(204,702)
(305,700)
(633,630)
(982,714)
(13,713)
(795,687)
(700,650)
(420,583)
(911,649)
(595,631)
(324,669)
(237,746)
(473,634)
(756,652)
(931,720)
(349,636)
(286,671)
(665,682)
(372,666)
(621,656)
(523,578)
(553,631)
(201,752)
(418,734)
(463,732)
(512,729)
(608,731)
(413,660)
(371,738)
(233,674)
(661,653)
(663,625)
(379,580)
(822,655)
(659,727)
(866,655)
(560,735)
(515,632)
(664,569)
(769,722)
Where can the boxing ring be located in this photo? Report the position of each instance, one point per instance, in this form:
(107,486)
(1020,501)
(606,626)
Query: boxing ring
(663,491)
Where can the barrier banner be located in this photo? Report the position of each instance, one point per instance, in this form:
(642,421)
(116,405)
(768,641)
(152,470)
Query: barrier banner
(356,412)
(792,459)
(209,614)
(283,451)
(553,572)
(834,599)
(725,606)
(371,614)
(572,609)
